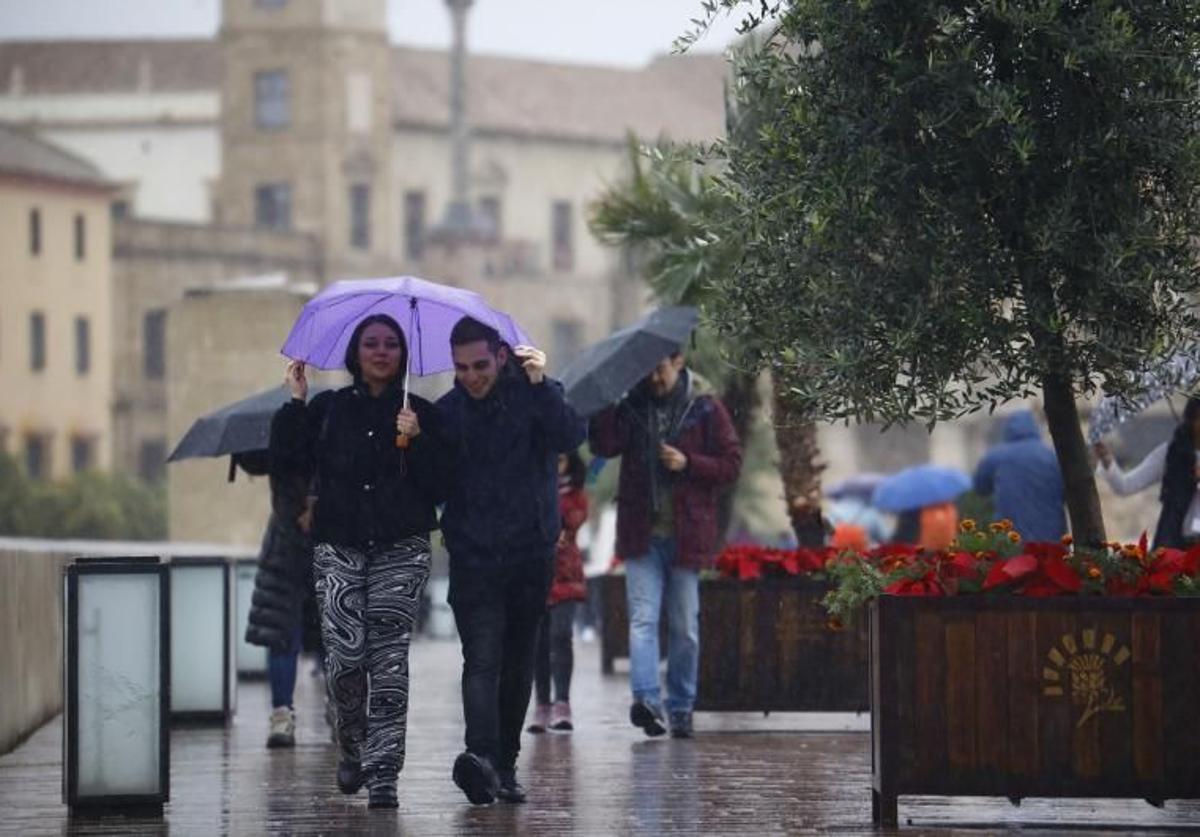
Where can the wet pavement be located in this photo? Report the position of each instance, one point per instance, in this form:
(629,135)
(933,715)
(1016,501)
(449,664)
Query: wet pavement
(742,774)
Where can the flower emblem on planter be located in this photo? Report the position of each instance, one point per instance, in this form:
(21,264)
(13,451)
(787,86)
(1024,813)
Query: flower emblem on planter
(1083,666)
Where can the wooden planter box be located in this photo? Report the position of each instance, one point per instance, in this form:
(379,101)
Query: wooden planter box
(614,618)
(764,646)
(1016,697)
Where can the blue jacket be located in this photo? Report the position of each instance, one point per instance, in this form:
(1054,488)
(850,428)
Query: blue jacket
(1022,473)
(502,489)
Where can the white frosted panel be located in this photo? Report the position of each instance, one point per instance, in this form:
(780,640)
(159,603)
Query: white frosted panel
(197,638)
(441,617)
(250,658)
(118,676)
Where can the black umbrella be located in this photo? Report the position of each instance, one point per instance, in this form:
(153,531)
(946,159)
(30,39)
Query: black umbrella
(605,372)
(235,428)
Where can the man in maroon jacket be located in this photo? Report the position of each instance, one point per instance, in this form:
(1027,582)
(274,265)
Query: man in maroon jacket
(678,449)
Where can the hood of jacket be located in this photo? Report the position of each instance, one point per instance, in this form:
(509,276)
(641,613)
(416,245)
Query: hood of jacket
(1021,427)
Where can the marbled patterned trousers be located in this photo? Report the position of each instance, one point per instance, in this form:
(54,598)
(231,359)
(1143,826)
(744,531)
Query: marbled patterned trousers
(369,600)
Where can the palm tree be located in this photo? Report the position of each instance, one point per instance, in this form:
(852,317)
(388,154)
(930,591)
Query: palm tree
(674,215)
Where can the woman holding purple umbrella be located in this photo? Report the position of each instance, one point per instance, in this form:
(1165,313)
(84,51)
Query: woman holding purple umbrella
(374,466)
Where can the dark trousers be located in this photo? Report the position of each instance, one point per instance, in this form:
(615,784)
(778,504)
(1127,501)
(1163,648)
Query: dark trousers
(497,609)
(555,657)
(281,670)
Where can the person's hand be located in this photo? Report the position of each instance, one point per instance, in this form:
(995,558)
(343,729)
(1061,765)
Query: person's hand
(296,380)
(1103,454)
(533,361)
(673,459)
(305,519)
(407,423)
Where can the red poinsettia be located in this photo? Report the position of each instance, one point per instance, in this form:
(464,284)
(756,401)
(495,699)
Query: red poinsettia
(996,561)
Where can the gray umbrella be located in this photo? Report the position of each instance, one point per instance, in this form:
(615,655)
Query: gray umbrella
(235,428)
(605,372)
(1178,374)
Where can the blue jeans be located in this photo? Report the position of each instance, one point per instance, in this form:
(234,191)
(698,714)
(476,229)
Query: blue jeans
(281,670)
(647,580)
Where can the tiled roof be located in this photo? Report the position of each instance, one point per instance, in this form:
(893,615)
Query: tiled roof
(677,96)
(59,67)
(22,153)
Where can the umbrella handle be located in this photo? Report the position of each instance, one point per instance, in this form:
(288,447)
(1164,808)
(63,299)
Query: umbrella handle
(401,439)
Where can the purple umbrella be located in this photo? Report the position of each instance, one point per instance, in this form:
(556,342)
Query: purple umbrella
(426,312)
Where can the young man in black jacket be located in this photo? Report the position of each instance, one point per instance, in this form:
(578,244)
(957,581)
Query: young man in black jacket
(504,430)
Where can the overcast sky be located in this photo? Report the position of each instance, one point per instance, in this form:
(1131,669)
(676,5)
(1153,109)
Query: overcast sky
(627,32)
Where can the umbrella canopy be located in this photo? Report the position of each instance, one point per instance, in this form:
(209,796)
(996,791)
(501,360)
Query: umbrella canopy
(241,426)
(606,371)
(425,311)
(1180,372)
(860,486)
(920,486)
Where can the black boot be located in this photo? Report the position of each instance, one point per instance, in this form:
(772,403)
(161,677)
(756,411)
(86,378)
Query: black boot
(510,789)
(681,725)
(383,796)
(350,777)
(476,777)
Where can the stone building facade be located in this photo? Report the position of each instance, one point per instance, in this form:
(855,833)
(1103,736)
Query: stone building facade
(56,300)
(156,265)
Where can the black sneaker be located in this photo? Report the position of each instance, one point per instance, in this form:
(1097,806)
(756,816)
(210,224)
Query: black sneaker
(681,725)
(350,777)
(647,716)
(510,789)
(476,778)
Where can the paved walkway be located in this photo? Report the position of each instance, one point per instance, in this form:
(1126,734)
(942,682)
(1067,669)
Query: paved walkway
(743,774)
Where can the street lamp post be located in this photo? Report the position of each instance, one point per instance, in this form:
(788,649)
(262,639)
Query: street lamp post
(116,753)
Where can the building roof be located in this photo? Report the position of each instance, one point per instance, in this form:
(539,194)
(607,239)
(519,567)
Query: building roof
(64,67)
(22,153)
(677,96)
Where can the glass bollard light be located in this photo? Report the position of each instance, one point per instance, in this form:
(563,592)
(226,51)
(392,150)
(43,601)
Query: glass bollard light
(116,752)
(202,676)
(251,659)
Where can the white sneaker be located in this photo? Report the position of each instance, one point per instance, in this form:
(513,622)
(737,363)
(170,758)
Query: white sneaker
(283,728)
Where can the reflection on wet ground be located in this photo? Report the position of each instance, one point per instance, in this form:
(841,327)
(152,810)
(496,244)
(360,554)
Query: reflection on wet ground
(742,774)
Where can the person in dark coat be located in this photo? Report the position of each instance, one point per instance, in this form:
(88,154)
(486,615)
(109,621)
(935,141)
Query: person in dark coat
(283,586)
(505,423)
(1180,476)
(372,452)
(555,660)
(678,449)
(1022,474)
